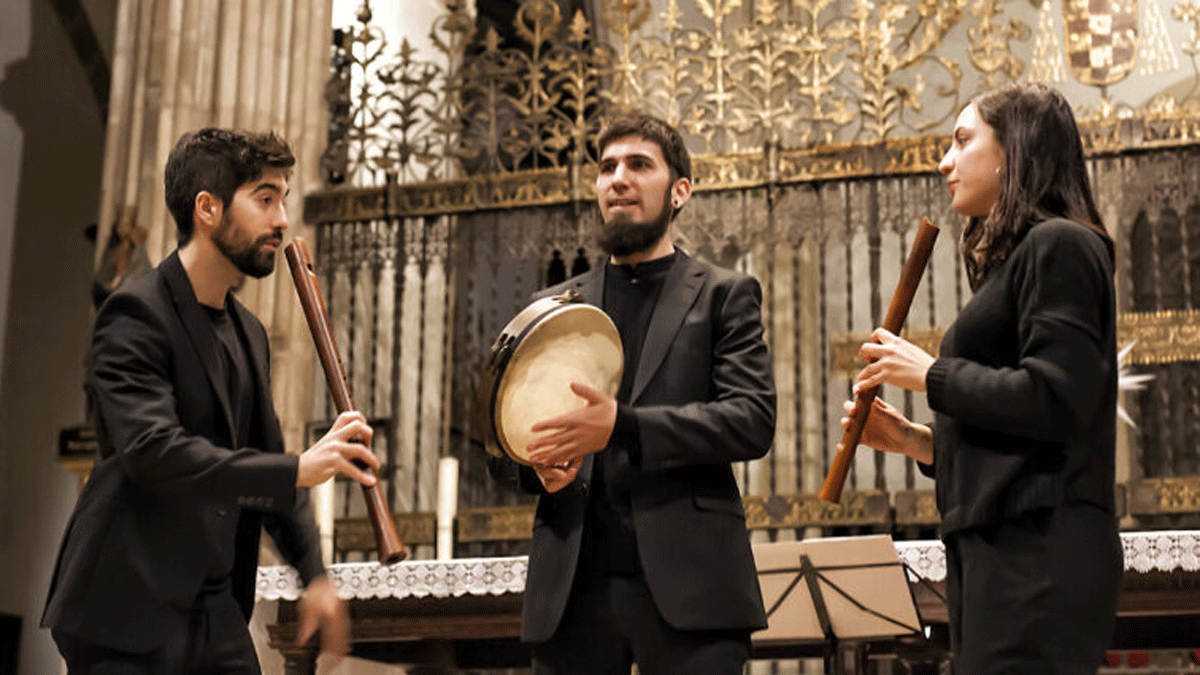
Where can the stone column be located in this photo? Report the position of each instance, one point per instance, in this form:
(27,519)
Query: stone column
(179,65)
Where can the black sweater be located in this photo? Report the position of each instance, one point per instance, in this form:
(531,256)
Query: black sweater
(1025,390)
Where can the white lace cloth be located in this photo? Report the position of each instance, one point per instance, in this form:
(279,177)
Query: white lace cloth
(1144,552)
(408,579)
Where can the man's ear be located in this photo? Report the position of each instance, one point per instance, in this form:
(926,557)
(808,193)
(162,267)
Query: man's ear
(681,192)
(207,211)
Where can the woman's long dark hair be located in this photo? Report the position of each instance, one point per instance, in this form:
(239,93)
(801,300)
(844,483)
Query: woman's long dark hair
(1044,174)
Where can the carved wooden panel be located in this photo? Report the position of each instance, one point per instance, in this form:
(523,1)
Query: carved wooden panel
(916,507)
(1163,496)
(863,508)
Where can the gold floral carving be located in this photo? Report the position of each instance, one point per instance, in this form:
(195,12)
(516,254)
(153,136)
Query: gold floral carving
(1161,337)
(1158,337)
(498,523)
(868,508)
(1163,496)
(865,508)
(356,535)
(844,356)
(713,172)
(764,78)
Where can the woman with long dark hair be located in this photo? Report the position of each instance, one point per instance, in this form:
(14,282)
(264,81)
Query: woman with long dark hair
(1024,390)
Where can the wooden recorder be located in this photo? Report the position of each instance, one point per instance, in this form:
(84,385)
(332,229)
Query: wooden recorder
(391,549)
(910,278)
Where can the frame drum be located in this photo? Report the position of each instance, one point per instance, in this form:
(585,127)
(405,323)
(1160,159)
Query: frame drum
(550,344)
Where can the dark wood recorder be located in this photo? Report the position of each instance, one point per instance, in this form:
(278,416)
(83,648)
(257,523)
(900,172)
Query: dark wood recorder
(391,549)
(910,278)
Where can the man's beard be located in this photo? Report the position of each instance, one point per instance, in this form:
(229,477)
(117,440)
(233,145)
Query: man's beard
(251,259)
(620,236)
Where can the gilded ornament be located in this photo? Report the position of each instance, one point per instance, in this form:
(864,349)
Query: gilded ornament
(1101,39)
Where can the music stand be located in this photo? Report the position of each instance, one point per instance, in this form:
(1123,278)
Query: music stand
(821,592)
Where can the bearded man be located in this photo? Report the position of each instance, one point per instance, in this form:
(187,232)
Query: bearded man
(157,567)
(640,552)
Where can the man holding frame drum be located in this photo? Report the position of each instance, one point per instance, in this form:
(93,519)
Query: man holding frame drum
(640,551)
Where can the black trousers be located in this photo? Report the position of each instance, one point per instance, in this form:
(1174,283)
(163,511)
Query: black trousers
(1034,594)
(611,622)
(217,643)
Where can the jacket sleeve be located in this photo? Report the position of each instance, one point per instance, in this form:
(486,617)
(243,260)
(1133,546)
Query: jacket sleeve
(737,420)
(1062,291)
(295,532)
(510,473)
(133,391)
(295,535)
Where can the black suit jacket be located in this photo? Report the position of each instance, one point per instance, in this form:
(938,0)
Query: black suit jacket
(703,398)
(167,495)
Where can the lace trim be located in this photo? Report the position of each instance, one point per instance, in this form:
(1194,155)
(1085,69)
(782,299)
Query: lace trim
(1144,552)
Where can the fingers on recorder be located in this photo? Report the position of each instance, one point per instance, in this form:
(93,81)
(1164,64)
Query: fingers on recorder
(342,450)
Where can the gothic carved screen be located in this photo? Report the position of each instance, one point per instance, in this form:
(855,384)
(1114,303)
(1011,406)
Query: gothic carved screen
(460,182)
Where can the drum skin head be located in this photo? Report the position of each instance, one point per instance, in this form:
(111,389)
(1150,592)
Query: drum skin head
(573,343)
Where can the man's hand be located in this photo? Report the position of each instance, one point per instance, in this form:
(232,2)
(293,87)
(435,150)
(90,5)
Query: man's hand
(558,476)
(320,607)
(344,444)
(575,434)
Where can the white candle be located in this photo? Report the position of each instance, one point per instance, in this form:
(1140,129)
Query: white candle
(447,507)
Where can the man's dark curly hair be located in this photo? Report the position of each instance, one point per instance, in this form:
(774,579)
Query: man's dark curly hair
(217,161)
(653,129)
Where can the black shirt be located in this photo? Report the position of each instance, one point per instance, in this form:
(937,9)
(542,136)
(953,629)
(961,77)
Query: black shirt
(236,366)
(239,382)
(630,295)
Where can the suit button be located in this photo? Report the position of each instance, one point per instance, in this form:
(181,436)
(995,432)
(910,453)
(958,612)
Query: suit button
(222,511)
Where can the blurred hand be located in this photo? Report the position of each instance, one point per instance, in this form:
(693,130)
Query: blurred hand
(345,443)
(558,476)
(577,433)
(321,608)
(895,361)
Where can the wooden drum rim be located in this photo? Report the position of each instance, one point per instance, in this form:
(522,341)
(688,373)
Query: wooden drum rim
(508,345)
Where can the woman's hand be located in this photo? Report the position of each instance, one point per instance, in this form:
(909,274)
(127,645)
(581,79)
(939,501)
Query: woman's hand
(888,430)
(895,361)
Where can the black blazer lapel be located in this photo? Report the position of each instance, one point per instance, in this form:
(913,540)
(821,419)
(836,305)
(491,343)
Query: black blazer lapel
(679,291)
(199,330)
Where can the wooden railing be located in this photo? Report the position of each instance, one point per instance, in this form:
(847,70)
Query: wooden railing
(1148,504)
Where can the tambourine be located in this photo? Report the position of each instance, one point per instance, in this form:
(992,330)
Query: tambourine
(548,345)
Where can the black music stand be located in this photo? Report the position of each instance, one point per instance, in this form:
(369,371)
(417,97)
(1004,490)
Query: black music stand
(824,593)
